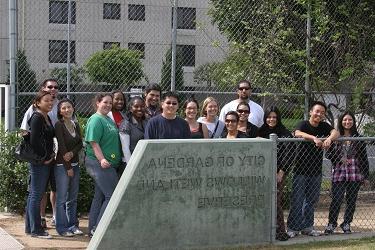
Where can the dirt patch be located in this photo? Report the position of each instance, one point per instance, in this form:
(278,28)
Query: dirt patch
(15,226)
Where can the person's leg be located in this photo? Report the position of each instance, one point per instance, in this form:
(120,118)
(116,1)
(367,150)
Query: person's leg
(312,192)
(352,189)
(338,191)
(71,204)
(43,205)
(295,218)
(62,185)
(52,196)
(39,176)
(280,224)
(27,221)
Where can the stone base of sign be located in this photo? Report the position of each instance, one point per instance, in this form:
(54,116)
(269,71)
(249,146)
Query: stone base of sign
(192,194)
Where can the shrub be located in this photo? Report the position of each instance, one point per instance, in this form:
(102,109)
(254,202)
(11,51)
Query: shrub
(14,178)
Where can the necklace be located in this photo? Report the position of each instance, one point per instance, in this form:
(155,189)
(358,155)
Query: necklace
(70,127)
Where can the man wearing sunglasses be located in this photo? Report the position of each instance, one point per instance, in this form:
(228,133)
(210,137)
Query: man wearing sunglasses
(244,93)
(51,86)
(168,125)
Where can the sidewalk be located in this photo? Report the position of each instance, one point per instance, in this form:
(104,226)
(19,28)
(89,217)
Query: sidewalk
(13,231)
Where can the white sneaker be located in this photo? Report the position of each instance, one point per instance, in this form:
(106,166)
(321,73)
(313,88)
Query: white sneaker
(76,231)
(311,232)
(292,234)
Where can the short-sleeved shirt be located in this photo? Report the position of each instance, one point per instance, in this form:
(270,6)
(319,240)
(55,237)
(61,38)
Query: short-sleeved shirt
(102,130)
(160,127)
(309,158)
(256,112)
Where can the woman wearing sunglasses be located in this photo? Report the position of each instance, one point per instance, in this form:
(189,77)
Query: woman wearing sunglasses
(243,111)
(231,124)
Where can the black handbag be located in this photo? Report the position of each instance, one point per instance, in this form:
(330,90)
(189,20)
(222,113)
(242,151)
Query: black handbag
(24,152)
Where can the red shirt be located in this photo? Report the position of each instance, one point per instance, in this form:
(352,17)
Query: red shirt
(118,117)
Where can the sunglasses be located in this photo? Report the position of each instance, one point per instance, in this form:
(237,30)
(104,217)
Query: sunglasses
(243,88)
(171,103)
(52,87)
(230,121)
(243,111)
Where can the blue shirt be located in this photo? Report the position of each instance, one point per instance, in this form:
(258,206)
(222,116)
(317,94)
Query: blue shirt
(160,127)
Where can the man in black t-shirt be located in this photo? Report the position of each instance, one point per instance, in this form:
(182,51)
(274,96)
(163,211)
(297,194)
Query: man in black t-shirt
(308,170)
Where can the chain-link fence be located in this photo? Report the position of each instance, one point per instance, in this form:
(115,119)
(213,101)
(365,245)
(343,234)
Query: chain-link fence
(291,50)
(329,191)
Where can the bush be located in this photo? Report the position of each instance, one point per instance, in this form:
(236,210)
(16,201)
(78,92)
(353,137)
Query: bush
(14,174)
(14,178)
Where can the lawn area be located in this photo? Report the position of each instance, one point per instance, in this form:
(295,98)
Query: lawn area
(352,244)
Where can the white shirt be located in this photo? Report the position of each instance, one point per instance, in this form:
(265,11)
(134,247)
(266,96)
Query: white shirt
(256,112)
(52,114)
(211,127)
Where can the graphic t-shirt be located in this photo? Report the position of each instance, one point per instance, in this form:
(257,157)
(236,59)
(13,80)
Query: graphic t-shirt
(102,130)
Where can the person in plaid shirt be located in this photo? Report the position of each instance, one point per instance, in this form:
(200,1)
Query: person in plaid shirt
(350,170)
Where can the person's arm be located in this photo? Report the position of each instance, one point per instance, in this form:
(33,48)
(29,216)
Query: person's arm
(205,131)
(99,155)
(125,145)
(299,134)
(25,127)
(333,135)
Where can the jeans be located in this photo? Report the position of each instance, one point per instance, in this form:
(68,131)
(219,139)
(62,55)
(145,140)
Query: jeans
(338,191)
(66,198)
(39,175)
(305,195)
(105,183)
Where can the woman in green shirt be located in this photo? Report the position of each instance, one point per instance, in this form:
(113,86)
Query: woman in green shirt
(103,155)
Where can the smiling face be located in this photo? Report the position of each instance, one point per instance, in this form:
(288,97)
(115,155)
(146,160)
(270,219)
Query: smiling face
(347,122)
(271,119)
(52,87)
(66,110)
(317,114)
(191,110)
(138,108)
(152,98)
(243,112)
(212,109)
(105,105)
(118,101)
(231,123)
(45,104)
(170,106)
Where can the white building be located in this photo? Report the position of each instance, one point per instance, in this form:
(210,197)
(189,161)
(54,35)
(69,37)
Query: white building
(145,25)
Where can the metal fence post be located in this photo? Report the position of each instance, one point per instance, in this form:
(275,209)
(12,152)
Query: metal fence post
(68,54)
(10,119)
(273,137)
(308,61)
(174,47)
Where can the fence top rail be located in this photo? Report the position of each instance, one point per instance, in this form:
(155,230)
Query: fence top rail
(362,138)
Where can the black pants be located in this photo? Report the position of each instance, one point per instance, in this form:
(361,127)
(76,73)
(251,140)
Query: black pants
(351,189)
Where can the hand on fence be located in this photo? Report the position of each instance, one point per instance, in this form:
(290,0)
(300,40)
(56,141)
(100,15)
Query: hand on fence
(318,142)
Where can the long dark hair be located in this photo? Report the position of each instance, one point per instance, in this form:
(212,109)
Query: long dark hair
(265,130)
(353,129)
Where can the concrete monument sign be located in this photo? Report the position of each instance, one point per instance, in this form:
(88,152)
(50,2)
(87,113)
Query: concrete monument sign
(191,194)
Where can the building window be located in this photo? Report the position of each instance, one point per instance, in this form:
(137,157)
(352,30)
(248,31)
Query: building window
(58,51)
(58,12)
(136,12)
(185,18)
(139,47)
(112,11)
(110,45)
(187,53)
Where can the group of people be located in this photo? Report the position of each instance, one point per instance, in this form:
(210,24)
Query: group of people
(113,131)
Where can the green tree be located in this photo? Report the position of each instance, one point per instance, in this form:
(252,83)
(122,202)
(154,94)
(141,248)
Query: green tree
(271,35)
(77,74)
(166,71)
(116,66)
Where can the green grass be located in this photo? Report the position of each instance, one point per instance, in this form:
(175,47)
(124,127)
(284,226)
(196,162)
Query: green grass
(365,243)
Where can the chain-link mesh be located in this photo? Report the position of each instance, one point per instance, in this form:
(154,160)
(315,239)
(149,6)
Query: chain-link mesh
(331,192)
(280,45)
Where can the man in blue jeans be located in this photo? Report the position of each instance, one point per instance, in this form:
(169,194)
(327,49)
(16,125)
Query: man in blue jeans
(308,170)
